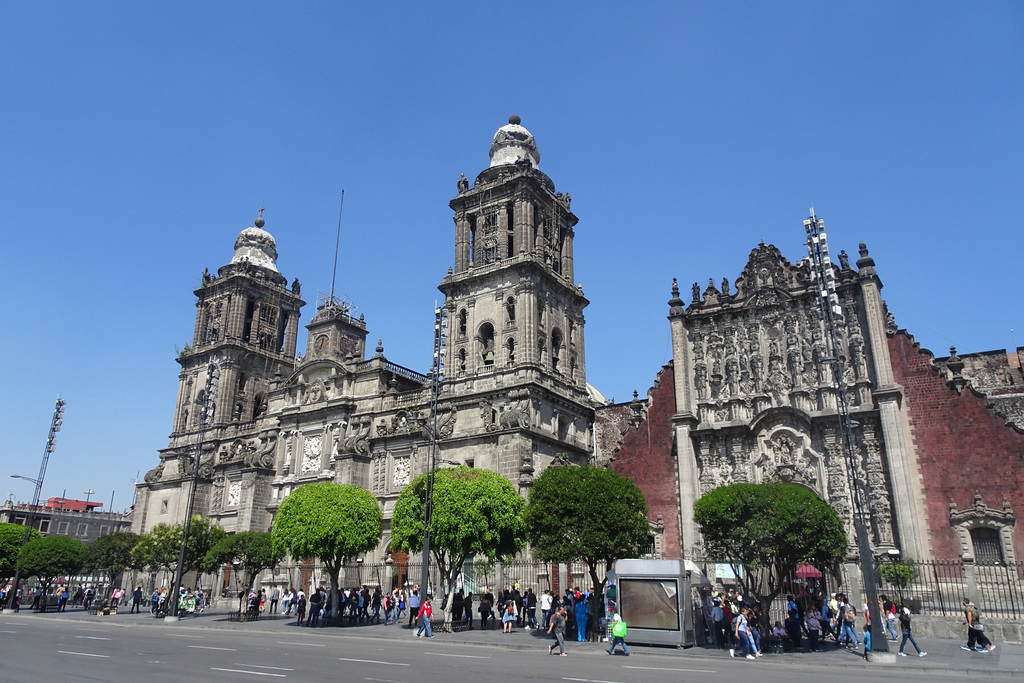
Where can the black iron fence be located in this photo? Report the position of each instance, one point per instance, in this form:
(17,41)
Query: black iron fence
(938,587)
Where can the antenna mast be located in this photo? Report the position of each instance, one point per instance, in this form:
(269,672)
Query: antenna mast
(337,245)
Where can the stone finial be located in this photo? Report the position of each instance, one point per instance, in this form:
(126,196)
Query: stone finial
(955,366)
(259,219)
(865,261)
(380,347)
(675,303)
(515,120)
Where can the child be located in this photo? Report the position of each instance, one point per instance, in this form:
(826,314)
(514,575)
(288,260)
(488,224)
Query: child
(867,637)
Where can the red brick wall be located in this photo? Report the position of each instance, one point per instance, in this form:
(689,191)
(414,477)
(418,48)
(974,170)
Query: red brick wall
(647,456)
(962,446)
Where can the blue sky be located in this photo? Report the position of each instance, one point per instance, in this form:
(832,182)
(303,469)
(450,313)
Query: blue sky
(138,139)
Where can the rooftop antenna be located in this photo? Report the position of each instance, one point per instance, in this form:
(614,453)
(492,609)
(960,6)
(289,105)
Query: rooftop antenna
(337,245)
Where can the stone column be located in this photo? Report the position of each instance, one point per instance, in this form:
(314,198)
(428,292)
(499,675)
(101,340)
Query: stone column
(908,499)
(461,242)
(198,331)
(685,422)
(567,264)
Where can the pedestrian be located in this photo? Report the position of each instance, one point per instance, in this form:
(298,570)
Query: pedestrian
(508,617)
(976,638)
(557,628)
(742,633)
(315,604)
(581,619)
(414,606)
(300,609)
(286,601)
(424,616)
(136,600)
(619,631)
(812,622)
(848,617)
(907,635)
(275,598)
(486,609)
(545,608)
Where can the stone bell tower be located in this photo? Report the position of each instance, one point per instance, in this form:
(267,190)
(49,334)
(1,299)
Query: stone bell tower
(515,346)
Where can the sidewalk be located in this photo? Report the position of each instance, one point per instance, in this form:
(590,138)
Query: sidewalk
(943,655)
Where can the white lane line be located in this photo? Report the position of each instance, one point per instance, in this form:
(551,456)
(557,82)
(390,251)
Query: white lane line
(93,637)
(658,668)
(82,654)
(179,635)
(285,642)
(589,680)
(207,647)
(371,661)
(272,668)
(244,671)
(381,680)
(8,631)
(445,654)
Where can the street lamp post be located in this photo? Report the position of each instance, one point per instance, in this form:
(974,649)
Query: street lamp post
(51,446)
(206,418)
(437,377)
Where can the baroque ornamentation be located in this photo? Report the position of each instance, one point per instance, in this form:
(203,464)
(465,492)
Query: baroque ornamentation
(401,472)
(312,448)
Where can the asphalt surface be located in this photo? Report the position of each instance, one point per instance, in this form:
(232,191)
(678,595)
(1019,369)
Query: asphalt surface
(74,646)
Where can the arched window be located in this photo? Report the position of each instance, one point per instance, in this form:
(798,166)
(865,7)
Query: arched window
(485,338)
(463,317)
(556,348)
(462,360)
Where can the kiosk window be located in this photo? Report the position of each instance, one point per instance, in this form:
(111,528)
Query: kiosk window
(650,603)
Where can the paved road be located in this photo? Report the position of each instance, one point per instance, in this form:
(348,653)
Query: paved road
(67,648)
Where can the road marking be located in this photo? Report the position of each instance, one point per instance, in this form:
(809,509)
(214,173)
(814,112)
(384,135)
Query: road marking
(371,661)
(93,637)
(207,647)
(445,654)
(244,671)
(285,642)
(658,668)
(82,654)
(381,680)
(8,631)
(589,680)
(256,666)
(179,635)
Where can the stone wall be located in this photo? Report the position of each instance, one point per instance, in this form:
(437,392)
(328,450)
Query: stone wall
(962,446)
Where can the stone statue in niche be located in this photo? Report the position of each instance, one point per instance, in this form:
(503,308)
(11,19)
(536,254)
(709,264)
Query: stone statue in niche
(401,472)
(700,379)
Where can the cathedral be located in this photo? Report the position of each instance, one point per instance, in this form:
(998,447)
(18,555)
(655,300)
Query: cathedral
(515,396)
(938,443)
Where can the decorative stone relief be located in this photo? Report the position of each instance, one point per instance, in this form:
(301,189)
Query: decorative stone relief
(312,448)
(980,516)
(218,493)
(316,393)
(786,456)
(154,474)
(234,494)
(401,473)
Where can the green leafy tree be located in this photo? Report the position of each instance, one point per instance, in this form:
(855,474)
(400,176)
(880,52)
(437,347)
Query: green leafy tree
(899,574)
(50,557)
(765,530)
(586,513)
(334,522)
(203,535)
(158,550)
(475,513)
(12,536)
(253,551)
(112,554)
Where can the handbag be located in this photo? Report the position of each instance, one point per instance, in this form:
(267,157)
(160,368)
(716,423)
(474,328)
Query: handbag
(980,628)
(619,629)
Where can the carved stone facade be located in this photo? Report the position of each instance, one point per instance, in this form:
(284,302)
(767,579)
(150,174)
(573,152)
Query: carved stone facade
(514,400)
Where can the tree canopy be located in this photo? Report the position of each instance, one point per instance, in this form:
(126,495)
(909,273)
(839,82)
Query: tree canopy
(253,551)
(11,537)
(334,522)
(768,529)
(50,557)
(586,513)
(112,554)
(160,548)
(475,513)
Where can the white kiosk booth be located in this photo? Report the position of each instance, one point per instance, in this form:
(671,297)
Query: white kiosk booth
(655,599)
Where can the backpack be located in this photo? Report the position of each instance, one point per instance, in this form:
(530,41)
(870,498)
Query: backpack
(619,629)
(849,616)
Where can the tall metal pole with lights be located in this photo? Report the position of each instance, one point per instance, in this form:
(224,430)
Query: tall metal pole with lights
(205,420)
(829,310)
(436,378)
(51,445)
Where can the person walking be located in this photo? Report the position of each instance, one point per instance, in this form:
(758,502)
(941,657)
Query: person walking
(136,601)
(300,608)
(743,635)
(275,598)
(424,616)
(907,635)
(619,631)
(414,606)
(976,638)
(848,617)
(556,627)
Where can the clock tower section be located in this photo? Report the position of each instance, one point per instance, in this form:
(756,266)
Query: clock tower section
(515,348)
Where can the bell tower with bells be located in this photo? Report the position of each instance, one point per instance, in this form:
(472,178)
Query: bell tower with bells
(515,348)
